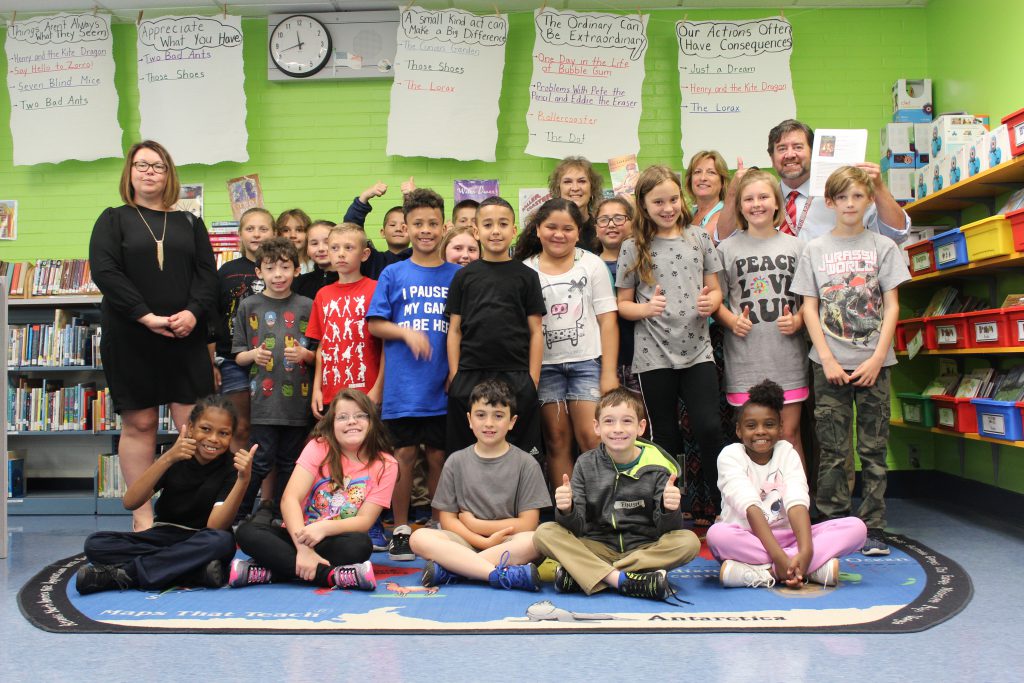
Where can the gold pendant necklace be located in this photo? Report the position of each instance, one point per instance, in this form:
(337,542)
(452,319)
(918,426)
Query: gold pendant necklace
(159,242)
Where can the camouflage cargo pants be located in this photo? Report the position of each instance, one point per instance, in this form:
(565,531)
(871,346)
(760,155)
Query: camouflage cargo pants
(834,415)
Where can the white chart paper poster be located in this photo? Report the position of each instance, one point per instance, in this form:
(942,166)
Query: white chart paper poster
(448,71)
(60,76)
(191,98)
(736,86)
(588,73)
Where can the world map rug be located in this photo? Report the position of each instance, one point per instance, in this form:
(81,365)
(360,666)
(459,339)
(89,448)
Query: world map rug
(910,590)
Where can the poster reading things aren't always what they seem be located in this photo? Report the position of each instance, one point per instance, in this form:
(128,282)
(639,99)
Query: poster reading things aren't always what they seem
(448,70)
(191,95)
(588,73)
(60,76)
(736,86)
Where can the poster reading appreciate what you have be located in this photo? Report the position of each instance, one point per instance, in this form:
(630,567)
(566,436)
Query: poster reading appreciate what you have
(191,95)
(588,73)
(448,69)
(60,76)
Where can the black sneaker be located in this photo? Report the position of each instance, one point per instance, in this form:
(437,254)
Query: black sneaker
(564,583)
(399,549)
(875,543)
(210,575)
(650,585)
(93,578)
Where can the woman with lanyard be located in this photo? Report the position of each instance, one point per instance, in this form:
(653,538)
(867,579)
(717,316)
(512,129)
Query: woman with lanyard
(155,268)
(707,181)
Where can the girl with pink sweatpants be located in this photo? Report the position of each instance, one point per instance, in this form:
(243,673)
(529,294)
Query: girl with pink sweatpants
(765,535)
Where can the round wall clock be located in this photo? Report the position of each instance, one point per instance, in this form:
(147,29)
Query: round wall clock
(300,46)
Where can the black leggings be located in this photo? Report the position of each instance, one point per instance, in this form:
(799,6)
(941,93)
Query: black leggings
(271,546)
(697,386)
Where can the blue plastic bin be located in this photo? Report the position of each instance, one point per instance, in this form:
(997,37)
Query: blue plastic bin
(950,249)
(998,419)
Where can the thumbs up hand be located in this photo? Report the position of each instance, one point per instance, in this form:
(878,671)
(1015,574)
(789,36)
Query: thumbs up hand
(741,328)
(563,495)
(243,462)
(787,321)
(656,306)
(706,304)
(672,496)
(184,447)
(408,186)
(263,355)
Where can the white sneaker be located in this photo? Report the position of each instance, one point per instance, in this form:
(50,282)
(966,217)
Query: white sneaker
(738,575)
(827,574)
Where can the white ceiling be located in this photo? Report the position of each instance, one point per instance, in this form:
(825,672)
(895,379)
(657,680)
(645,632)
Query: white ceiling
(128,10)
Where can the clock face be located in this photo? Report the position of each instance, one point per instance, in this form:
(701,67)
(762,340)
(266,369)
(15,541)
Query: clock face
(300,46)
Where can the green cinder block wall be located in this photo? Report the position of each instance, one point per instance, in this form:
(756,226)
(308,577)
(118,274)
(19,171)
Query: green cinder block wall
(318,144)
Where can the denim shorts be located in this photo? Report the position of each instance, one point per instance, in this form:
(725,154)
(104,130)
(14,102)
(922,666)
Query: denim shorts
(233,377)
(579,381)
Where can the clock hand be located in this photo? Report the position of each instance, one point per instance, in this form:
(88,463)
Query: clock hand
(290,48)
(299,38)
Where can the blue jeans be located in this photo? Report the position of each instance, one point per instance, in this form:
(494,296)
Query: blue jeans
(578,381)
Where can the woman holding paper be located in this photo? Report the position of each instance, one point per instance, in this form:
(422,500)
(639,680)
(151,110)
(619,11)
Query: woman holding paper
(576,180)
(155,268)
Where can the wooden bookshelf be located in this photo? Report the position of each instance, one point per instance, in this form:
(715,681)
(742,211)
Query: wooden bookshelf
(963,435)
(978,189)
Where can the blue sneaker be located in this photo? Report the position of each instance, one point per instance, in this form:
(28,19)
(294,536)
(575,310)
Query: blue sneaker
(377,537)
(522,577)
(436,575)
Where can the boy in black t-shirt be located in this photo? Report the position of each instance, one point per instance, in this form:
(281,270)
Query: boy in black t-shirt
(495,310)
(191,541)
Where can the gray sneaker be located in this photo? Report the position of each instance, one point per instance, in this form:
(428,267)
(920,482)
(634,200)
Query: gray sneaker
(875,543)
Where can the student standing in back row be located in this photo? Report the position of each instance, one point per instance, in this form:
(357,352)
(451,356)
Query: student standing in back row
(848,279)
(407,313)
(495,309)
(667,279)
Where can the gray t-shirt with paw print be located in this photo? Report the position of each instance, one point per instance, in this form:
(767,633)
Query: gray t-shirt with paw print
(678,338)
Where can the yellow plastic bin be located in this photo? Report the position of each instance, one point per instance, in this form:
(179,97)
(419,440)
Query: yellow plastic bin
(988,238)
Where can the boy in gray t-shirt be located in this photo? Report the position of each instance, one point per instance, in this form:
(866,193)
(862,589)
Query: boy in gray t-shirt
(489,498)
(848,279)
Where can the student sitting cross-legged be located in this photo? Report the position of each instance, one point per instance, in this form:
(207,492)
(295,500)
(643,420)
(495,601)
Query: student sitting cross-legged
(489,498)
(617,523)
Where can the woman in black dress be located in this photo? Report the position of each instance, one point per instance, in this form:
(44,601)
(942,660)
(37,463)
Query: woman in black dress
(156,270)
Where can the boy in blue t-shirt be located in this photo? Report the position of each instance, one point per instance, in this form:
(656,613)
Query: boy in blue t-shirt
(407,312)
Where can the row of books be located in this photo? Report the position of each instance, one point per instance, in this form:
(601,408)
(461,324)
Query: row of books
(46,405)
(947,300)
(48,277)
(69,341)
(224,240)
(1005,385)
(109,480)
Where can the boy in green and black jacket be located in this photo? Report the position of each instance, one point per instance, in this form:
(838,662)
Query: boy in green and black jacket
(618,522)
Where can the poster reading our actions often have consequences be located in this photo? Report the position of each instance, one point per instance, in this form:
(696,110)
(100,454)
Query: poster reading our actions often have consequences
(588,71)
(736,85)
(448,69)
(191,97)
(60,76)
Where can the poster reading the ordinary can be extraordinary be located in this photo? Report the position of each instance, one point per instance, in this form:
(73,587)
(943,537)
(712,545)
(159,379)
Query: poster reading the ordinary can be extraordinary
(60,76)
(736,84)
(588,73)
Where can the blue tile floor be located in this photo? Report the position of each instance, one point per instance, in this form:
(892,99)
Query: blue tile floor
(979,644)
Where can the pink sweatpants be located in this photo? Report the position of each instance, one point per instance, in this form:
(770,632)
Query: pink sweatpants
(833,538)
